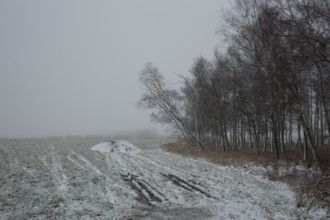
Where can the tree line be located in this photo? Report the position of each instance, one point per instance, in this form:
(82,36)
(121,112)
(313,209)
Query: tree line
(270,90)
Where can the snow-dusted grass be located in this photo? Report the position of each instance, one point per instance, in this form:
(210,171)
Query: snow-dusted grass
(82,179)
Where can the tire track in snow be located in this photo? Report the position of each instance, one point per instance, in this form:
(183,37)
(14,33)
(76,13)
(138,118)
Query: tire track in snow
(147,193)
(86,165)
(147,169)
(118,192)
(13,165)
(129,170)
(150,165)
(75,162)
(209,174)
(96,190)
(31,172)
(54,166)
(171,165)
(197,166)
(245,197)
(13,162)
(83,163)
(233,178)
(163,166)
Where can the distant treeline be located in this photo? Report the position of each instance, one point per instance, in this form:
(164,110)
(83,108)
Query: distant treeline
(270,90)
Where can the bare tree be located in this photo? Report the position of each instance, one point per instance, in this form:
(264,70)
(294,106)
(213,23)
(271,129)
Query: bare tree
(273,79)
(165,101)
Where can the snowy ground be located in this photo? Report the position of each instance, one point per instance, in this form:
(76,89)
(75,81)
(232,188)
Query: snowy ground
(88,179)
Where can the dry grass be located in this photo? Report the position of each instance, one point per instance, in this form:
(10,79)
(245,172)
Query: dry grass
(235,157)
(305,184)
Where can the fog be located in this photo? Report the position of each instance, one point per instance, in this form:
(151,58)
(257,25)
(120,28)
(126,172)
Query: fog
(71,67)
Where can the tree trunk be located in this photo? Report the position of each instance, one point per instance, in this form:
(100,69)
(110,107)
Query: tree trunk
(305,146)
(308,134)
(275,137)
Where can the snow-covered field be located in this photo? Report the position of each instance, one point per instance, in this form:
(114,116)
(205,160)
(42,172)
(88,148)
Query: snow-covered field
(92,179)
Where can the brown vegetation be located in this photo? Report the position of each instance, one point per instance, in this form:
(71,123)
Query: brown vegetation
(312,185)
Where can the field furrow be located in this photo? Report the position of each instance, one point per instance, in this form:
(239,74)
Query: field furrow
(71,180)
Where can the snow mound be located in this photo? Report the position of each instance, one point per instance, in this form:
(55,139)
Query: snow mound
(116,147)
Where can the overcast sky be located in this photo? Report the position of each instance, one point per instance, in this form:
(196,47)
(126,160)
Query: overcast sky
(71,67)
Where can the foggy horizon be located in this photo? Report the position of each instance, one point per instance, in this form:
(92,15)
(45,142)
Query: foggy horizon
(71,68)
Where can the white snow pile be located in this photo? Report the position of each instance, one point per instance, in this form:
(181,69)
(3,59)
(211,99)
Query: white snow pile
(116,146)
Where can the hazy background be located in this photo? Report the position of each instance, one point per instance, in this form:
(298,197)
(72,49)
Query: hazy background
(71,67)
